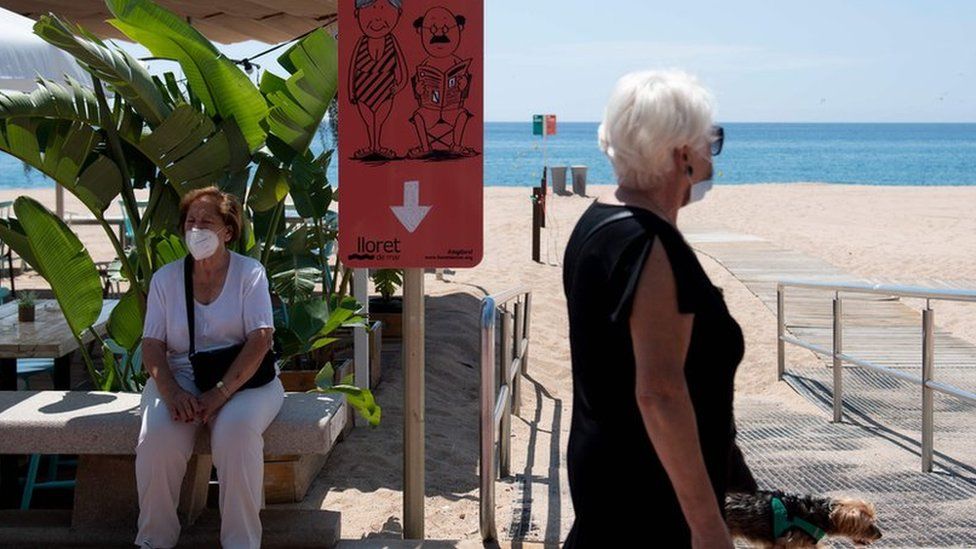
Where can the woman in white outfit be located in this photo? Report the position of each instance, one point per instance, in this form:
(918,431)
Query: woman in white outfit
(232,306)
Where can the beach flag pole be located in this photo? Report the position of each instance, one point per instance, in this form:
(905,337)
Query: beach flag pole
(537,217)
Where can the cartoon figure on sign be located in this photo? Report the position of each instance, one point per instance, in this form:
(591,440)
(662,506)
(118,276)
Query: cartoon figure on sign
(441,85)
(379,71)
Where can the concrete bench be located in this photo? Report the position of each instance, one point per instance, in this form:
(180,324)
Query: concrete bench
(103,428)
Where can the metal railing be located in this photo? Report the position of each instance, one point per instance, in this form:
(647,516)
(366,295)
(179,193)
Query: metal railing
(501,395)
(926,381)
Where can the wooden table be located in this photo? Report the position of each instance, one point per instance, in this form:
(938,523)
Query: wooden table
(47,337)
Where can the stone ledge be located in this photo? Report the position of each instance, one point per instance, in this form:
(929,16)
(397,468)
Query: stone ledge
(284,528)
(79,422)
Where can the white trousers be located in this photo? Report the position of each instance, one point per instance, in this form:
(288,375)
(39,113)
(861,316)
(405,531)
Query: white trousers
(237,442)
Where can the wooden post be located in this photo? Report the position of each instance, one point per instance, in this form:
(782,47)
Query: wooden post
(413,405)
(536,223)
(542,196)
(59,200)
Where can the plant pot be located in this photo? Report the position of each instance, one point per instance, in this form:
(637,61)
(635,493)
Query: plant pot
(390,313)
(304,380)
(26,313)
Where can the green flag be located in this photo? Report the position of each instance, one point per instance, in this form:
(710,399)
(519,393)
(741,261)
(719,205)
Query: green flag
(538,124)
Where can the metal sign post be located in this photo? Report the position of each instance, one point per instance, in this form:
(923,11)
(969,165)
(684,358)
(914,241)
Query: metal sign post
(411,97)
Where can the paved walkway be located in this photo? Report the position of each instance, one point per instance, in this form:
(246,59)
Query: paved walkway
(874,453)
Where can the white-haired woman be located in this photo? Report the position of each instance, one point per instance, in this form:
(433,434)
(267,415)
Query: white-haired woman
(654,348)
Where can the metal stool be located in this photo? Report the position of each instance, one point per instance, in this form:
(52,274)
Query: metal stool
(26,368)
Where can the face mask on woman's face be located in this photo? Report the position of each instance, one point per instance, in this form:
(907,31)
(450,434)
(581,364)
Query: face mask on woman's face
(202,243)
(701,188)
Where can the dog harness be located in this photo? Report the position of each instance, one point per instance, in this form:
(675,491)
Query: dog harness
(783,522)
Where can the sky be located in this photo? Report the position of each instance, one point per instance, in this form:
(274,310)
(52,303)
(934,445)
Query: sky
(764,60)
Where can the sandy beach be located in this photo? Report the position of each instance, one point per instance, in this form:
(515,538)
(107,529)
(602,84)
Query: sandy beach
(907,235)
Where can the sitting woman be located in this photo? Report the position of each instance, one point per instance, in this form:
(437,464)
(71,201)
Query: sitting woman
(231,306)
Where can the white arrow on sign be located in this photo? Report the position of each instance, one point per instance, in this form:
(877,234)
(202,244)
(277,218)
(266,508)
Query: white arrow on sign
(411,213)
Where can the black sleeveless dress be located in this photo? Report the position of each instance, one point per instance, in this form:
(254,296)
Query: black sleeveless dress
(621,493)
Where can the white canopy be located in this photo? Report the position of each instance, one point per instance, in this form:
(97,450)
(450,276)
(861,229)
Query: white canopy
(24,56)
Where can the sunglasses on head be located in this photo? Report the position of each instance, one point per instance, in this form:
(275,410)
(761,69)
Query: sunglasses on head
(718,138)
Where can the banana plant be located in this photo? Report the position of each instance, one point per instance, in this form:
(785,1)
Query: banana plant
(53,250)
(132,130)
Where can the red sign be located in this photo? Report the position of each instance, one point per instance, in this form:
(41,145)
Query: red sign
(411,133)
(550,124)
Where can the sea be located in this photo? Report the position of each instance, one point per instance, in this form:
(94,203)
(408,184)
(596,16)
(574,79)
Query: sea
(865,154)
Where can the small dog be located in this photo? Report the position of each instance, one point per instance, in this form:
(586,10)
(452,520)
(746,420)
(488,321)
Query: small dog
(802,520)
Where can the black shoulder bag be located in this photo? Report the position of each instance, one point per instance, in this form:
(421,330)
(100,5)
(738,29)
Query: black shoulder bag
(209,367)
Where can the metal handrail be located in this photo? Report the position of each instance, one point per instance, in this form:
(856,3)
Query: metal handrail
(500,400)
(929,386)
(885,289)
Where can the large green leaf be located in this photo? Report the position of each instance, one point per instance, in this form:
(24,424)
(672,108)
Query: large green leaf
(223,88)
(163,211)
(12,234)
(293,276)
(64,263)
(299,104)
(165,247)
(125,322)
(361,400)
(117,68)
(308,325)
(52,100)
(269,186)
(344,313)
(309,187)
(67,153)
(189,149)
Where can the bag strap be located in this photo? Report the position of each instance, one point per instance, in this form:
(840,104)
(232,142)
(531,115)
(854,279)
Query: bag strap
(188,291)
(619,216)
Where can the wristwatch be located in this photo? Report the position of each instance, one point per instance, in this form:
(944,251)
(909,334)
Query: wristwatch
(223,389)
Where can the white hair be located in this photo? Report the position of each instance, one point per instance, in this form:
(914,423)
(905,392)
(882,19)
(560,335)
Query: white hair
(649,115)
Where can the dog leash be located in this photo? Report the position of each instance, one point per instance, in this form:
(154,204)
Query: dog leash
(782,522)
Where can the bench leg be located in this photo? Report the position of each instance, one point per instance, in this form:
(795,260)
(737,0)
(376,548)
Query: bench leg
(62,372)
(196,484)
(9,489)
(106,496)
(9,486)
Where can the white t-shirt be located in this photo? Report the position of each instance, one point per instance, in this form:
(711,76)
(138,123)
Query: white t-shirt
(244,305)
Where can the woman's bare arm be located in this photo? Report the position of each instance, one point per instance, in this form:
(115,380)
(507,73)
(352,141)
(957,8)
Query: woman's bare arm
(182,405)
(661,335)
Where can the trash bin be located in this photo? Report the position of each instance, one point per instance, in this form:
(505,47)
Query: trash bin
(579,180)
(558,174)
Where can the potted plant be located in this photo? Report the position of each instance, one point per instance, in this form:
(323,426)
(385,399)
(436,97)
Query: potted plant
(385,307)
(26,306)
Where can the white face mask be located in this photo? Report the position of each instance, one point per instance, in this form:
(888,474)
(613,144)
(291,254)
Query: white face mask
(701,188)
(202,243)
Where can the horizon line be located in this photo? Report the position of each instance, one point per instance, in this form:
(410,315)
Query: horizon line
(757,122)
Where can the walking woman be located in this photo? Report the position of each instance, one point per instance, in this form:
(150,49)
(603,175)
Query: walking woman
(654,348)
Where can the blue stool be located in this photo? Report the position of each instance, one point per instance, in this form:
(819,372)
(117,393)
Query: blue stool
(27,368)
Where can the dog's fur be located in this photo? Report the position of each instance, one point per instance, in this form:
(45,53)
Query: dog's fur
(750,516)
